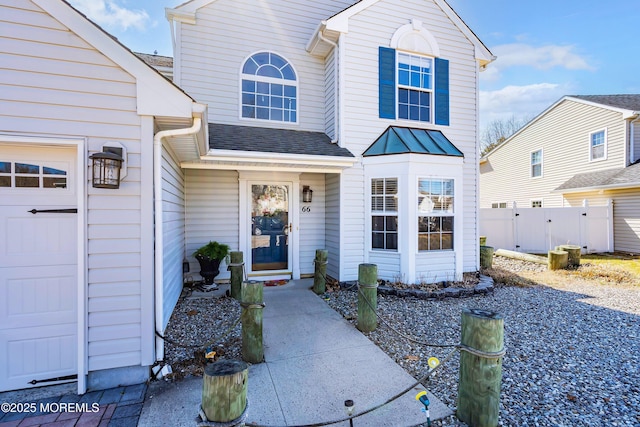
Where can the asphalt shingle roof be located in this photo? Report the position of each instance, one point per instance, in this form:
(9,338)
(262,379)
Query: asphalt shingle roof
(269,140)
(628,102)
(620,177)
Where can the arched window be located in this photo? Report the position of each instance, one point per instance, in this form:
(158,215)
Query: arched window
(269,88)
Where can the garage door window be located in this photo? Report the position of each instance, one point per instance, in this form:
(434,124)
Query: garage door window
(27,175)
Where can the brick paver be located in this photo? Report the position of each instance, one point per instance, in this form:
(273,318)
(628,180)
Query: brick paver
(118,407)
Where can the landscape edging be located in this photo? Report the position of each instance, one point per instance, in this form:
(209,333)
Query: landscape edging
(484,286)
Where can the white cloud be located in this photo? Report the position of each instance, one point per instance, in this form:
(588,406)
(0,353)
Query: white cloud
(519,101)
(112,15)
(542,57)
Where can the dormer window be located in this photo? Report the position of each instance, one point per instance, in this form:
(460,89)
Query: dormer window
(269,88)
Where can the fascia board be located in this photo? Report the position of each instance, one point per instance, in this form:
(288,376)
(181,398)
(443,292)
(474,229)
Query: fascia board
(193,5)
(180,16)
(598,188)
(243,156)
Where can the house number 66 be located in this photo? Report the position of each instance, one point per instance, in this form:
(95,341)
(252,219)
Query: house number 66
(306,209)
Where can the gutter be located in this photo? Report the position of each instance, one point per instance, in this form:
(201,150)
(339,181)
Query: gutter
(158,229)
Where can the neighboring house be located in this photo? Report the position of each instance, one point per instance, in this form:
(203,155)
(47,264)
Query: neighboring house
(81,292)
(581,148)
(370,106)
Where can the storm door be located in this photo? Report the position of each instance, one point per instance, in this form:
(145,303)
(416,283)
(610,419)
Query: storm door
(270,227)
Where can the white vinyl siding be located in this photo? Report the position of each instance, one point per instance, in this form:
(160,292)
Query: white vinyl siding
(173,214)
(65,87)
(212,202)
(312,222)
(435,267)
(330,89)
(213,51)
(332,223)
(563,135)
(369,30)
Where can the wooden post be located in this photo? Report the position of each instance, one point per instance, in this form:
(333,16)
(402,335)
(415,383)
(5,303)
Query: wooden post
(224,390)
(367,297)
(480,373)
(236,269)
(574,252)
(320,274)
(252,305)
(486,256)
(558,260)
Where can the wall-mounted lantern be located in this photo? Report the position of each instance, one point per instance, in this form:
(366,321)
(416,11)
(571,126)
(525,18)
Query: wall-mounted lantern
(307,194)
(106,168)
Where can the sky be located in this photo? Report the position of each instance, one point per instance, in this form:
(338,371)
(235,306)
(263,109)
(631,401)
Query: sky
(545,49)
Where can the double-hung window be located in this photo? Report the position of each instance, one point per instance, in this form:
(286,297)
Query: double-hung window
(384,213)
(269,88)
(598,145)
(536,164)
(415,87)
(435,214)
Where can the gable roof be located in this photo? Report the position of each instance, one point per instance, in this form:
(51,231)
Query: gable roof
(607,179)
(156,95)
(340,22)
(628,105)
(630,102)
(401,140)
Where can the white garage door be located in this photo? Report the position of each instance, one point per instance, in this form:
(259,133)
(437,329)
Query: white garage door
(38,256)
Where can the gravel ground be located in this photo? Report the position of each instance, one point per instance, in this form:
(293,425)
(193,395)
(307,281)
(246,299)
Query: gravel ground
(572,354)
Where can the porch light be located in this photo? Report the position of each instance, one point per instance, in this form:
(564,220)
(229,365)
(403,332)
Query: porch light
(106,168)
(307,194)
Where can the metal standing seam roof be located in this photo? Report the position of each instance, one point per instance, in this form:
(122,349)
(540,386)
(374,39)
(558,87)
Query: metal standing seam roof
(401,140)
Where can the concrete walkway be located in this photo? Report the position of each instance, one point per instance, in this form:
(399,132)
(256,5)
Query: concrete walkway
(314,361)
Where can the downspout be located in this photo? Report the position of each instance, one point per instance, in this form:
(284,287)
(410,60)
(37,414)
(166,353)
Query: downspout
(336,104)
(158,229)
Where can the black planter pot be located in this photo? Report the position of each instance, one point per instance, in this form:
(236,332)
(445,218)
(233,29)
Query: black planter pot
(209,268)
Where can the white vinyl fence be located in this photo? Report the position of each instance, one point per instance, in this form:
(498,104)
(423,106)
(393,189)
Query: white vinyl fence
(537,230)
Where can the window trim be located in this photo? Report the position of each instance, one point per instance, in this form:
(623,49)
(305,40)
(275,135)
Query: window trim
(440,214)
(295,83)
(531,164)
(605,144)
(430,90)
(384,213)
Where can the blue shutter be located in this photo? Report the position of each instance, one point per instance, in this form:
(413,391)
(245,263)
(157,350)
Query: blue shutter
(387,82)
(442,92)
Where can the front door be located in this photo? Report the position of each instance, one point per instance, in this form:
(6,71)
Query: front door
(270,228)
